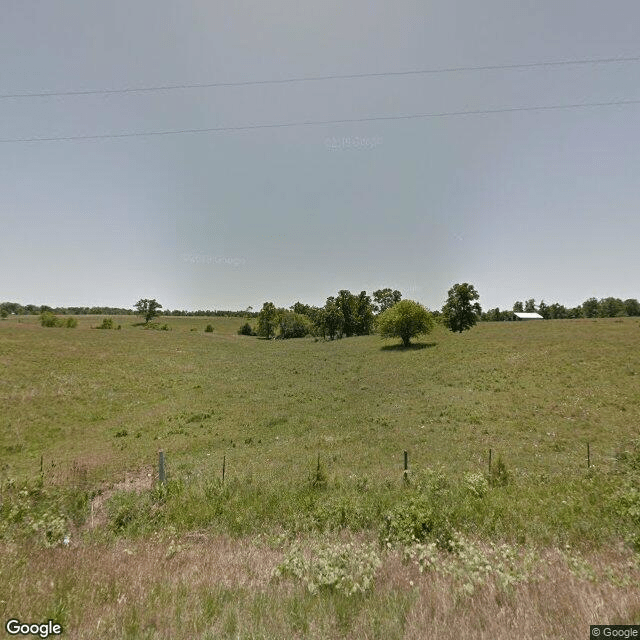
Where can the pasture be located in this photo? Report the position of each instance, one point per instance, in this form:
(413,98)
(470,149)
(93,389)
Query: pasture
(85,412)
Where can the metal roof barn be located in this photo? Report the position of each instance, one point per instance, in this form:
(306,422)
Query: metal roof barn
(528,316)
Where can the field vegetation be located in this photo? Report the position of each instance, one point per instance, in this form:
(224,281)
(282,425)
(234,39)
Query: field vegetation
(315,531)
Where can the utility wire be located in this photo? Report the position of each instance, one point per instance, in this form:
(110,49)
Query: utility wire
(278,125)
(352,76)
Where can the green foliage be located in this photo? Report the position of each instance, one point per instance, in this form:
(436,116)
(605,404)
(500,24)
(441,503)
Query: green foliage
(406,319)
(3,313)
(331,320)
(518,307)
(346,568)
(460,312)
(318,479)
(71,323)
(294,325)
(107,323)
(148,308)
(267,320)
(48,319)
(209,328)
(476,484)
(590,308)
(417,518)
(385,299)
(246,330)
(472,565)
(499,474)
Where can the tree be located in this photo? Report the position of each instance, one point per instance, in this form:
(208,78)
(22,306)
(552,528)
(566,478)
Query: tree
(148,308)
(590,308)
(332,319)
(364,315)
(267,320)
(385,298)
(557,311)
(346,302)
(530,306)
(460,312)
(405,320)
(611,308)
(294,325)
(632,307)
(543,310)
(518,307)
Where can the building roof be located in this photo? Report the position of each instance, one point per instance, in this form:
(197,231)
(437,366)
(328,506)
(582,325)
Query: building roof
(529,316)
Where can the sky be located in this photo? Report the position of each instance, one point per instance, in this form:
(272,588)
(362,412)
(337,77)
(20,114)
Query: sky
(521,202)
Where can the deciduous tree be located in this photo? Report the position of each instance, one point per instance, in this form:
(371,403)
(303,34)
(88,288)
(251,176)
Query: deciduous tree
(460,312)
(405,320)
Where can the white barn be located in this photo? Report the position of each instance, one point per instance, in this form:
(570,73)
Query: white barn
(528,316)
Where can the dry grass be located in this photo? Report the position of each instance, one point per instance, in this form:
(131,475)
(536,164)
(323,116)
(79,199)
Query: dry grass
(201,587)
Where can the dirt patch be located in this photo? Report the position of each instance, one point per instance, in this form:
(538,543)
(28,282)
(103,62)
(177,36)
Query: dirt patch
(141,480)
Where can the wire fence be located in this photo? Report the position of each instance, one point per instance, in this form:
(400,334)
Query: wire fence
(107,465)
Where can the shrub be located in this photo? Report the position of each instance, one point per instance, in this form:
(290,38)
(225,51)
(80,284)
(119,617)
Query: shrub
(417,519)
(499,475)
(476,484)
(294,325)
(346,568)
(107,323)
(246,330)
(209,329)
(71,323)
(47,319)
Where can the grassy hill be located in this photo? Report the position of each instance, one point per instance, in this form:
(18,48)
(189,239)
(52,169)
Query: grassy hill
(95,406)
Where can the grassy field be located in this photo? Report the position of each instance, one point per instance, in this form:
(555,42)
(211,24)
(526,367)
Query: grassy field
(272,551)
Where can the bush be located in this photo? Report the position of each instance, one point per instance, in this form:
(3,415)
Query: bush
(417,519)
(71,323)
(47,319)
(107,323)
(499,475)
(246,330)
(345,568)
(209,329)
(294,325)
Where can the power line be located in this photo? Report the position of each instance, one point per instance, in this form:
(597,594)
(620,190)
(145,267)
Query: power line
(279,125)
(352,76)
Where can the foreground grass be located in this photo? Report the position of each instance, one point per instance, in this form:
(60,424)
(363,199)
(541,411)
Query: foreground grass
(201,587)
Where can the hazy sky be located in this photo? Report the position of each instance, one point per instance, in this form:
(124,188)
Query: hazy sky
(538,203)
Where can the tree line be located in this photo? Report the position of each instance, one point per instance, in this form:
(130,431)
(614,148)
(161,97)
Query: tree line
(348,314)
(15,308)
(591,308)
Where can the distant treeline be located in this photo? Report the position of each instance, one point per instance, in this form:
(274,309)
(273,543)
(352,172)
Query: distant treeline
(8,308)
(357,311)
(591,308)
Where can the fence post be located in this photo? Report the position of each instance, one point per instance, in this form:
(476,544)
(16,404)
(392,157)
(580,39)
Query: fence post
(161,474)
(224,463)
(405,474)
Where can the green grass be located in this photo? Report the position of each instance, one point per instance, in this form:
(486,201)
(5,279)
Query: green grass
(534,393)
(95,406)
